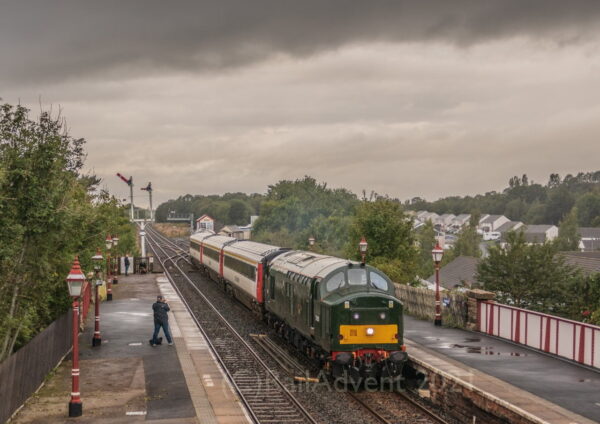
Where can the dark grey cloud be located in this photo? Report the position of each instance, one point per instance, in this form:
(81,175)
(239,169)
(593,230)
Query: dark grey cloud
(61,40)
(223,96)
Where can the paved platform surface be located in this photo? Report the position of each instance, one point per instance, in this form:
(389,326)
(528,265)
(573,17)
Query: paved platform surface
(555,390)
(127,380)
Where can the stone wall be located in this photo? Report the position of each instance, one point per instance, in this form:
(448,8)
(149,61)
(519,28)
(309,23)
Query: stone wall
(420,303)
(474,297)
(464,402)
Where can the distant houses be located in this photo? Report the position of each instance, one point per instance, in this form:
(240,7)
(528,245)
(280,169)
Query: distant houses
(538,234)
(590,239)
(447,222)
(240,232)
(509,226)
(534,234)
(489,223)
(460,221)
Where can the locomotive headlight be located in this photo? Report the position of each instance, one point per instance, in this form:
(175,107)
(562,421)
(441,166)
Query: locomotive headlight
(370,331)
(356,315)
(382,315)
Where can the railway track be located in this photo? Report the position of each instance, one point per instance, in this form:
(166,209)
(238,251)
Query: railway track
(384,407)
(265,397)
(365,400)
(296,370)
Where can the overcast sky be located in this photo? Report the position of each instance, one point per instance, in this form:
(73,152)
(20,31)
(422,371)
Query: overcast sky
(421,98)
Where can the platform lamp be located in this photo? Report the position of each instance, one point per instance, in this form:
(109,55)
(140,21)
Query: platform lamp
(97,259)
(75,281)
(115,242)
(311,242)
(437,253)
(108,243)
(362,247)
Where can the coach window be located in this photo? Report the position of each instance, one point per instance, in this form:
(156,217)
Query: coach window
(336,281)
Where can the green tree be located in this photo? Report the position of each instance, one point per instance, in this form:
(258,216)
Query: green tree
(528,276)
(568,232)
(426,241)
(48,213)
(467,243)
(239,212)
(302,208)
(560,202)
(588,210)
(583,302)
(516,209)
(390,236)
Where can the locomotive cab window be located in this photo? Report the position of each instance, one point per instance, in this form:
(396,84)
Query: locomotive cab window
(378,281)
(357,277)
(336,281)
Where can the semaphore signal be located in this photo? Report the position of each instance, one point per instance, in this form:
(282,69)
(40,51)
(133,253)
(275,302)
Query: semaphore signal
(129,182)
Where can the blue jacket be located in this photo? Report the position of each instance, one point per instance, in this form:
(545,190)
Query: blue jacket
(160,312)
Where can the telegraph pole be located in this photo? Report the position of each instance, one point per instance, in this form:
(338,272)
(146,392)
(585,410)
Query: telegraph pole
(129,182)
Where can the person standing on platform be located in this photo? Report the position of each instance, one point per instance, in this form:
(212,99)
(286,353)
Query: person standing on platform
(161,319)
(126,262)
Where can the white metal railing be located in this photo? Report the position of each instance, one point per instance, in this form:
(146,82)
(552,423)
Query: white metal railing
(569,339)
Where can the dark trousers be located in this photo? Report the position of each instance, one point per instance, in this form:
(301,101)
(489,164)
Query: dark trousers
(165,327)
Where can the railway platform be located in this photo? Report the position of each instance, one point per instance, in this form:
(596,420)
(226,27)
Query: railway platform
(546,388)
(127,380)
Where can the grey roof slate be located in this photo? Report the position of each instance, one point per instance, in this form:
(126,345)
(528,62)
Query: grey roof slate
(537,228)
(588,262)
(460,272)
(536,233)
(507,226)
(490,219)
(463,218)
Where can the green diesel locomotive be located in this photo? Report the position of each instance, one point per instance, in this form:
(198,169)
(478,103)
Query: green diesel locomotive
(341,313)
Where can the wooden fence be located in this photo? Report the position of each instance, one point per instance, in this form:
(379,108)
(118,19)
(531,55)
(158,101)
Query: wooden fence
(420,302)
(22,373)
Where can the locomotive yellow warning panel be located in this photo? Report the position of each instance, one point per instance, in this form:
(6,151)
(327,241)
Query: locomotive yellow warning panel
(368,334)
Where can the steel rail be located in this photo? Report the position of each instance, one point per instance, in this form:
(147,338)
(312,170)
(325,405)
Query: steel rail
(250,404)
(374,413)
(167,241)
(291,365)
(430,413)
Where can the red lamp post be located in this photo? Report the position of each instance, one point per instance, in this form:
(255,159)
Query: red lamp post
(115,268)
(108,243)
(97,258)
(75,281)
(362,247)
(437,253)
